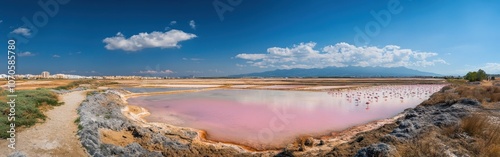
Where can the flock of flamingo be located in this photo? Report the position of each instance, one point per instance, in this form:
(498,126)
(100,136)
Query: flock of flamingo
(374,94)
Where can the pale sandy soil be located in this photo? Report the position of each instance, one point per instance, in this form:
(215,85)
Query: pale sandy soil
(328,87)
(183,86)
(54,137)
(243,86)
(281,87)
(34,84)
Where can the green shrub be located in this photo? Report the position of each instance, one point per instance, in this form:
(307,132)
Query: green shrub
(27,108)
(77,120)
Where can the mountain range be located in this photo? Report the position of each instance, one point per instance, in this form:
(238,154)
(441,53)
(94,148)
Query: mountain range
(350,71)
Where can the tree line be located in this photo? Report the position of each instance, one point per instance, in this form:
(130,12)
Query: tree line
(476,75)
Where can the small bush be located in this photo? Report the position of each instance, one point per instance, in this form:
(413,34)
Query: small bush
(80,127)
(77,120)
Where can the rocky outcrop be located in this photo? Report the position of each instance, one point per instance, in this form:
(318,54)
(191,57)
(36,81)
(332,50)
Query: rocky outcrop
(379,150)
(440,115)
(17,154)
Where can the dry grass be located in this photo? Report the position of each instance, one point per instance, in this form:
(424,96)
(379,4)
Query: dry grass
(423,148)
(34,84)
(474,125)
(487,95)
(486,133)
(443,96)
(457,81)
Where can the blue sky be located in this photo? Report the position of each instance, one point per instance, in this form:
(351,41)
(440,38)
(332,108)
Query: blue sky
(140,38)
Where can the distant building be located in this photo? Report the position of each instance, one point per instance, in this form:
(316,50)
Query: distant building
(45,74)
(60,76)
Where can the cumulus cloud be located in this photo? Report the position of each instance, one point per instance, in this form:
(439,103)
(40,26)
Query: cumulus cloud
(25,54)
(490,68)
(22,31)
(171,24)
(156,72)
(56,56)
(305,55)
(192,24)
(169,39)
(251,56)
(192,59)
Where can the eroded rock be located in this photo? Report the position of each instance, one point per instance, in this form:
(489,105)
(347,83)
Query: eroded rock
(379,150)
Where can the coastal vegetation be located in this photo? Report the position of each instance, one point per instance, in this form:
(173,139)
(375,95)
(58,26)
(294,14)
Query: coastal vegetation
(29,108)
(476,75)
(74,84)
(89,83)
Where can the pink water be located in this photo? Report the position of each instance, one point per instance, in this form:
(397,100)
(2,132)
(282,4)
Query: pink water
(270,119)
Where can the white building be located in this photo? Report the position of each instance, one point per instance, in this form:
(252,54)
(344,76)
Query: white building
(45,74)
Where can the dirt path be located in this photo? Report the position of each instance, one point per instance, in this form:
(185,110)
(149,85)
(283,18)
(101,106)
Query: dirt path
(56,136)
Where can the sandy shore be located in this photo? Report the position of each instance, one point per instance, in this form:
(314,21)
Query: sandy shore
(54,137)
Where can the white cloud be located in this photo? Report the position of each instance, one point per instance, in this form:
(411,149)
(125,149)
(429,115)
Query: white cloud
(192,24)
(304,55)
(70,71)
(169,39)
(156,72)
(490,68)
(171,24)
(56,56)
(192,59)
(251,56)
(23,31)
(25,54)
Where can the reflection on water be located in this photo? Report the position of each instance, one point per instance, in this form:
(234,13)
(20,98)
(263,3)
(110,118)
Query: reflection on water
(268,119)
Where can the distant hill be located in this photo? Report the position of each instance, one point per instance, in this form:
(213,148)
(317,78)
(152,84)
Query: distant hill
(351,71)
